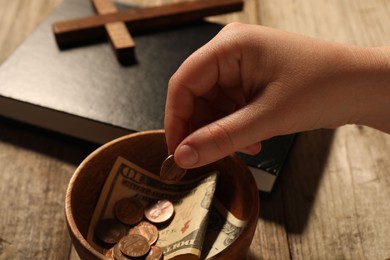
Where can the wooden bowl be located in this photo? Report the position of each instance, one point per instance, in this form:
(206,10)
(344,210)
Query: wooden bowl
(236,188)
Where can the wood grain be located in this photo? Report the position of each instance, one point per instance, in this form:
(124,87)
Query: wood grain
(331,202)
(35,169)
(234,191)
(18,20)
(72,32)
(120,38)
(335,206)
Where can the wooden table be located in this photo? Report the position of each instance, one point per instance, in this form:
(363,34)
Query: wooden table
(331,202)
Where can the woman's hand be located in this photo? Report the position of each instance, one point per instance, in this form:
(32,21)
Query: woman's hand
(251,83)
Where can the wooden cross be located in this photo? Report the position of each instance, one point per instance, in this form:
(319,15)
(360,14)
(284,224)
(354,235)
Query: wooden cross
(116,24)
(120,38)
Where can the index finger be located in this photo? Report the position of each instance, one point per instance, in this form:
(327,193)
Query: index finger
(196,76)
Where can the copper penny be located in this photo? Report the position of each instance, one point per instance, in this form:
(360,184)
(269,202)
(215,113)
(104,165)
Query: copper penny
(147,230)
(134,245)
(129,211)
(118,255)
(109,252)
(170,170)
(160,212)
(155,253)
(110,231)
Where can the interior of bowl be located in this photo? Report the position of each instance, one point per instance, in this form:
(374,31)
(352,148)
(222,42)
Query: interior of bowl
(236,188)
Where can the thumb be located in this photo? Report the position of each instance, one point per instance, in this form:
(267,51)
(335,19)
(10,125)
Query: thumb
(237,131)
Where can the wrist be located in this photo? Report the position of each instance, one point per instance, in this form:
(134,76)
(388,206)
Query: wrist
(369,72)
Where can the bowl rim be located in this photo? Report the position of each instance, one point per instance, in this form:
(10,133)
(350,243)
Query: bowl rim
(68,202)
(72,226)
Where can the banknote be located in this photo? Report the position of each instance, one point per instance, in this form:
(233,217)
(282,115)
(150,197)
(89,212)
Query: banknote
(223,229)
(194,202)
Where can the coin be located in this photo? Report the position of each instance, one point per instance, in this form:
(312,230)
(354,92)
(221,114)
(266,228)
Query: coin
(109,252)
(134,245)
(110,231)
(159,212)
(146,229)
(155,253)
(118,255)
(170,170)
(129,211)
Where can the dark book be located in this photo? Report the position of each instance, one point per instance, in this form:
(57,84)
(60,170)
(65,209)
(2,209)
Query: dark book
(268,164)
(84,92)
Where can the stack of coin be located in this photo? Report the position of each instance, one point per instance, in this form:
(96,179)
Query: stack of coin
(133,232)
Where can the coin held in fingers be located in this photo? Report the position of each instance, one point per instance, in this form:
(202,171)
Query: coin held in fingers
(170,170)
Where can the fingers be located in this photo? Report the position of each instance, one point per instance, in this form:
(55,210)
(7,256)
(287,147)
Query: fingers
(251,149)
(216,140)
(251,83)
(197,79)
(210,111)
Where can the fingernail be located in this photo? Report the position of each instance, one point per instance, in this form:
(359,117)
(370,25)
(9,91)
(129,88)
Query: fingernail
(186,156)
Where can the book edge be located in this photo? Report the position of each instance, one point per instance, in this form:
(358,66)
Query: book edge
(264,180)
(71,125)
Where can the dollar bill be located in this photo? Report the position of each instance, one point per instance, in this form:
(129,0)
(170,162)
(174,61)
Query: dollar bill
(193,200)
(222,230)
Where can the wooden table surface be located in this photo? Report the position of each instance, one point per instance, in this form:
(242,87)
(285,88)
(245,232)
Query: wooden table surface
(331,202)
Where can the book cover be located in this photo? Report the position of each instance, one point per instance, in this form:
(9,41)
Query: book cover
(85,93)
(268,164)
